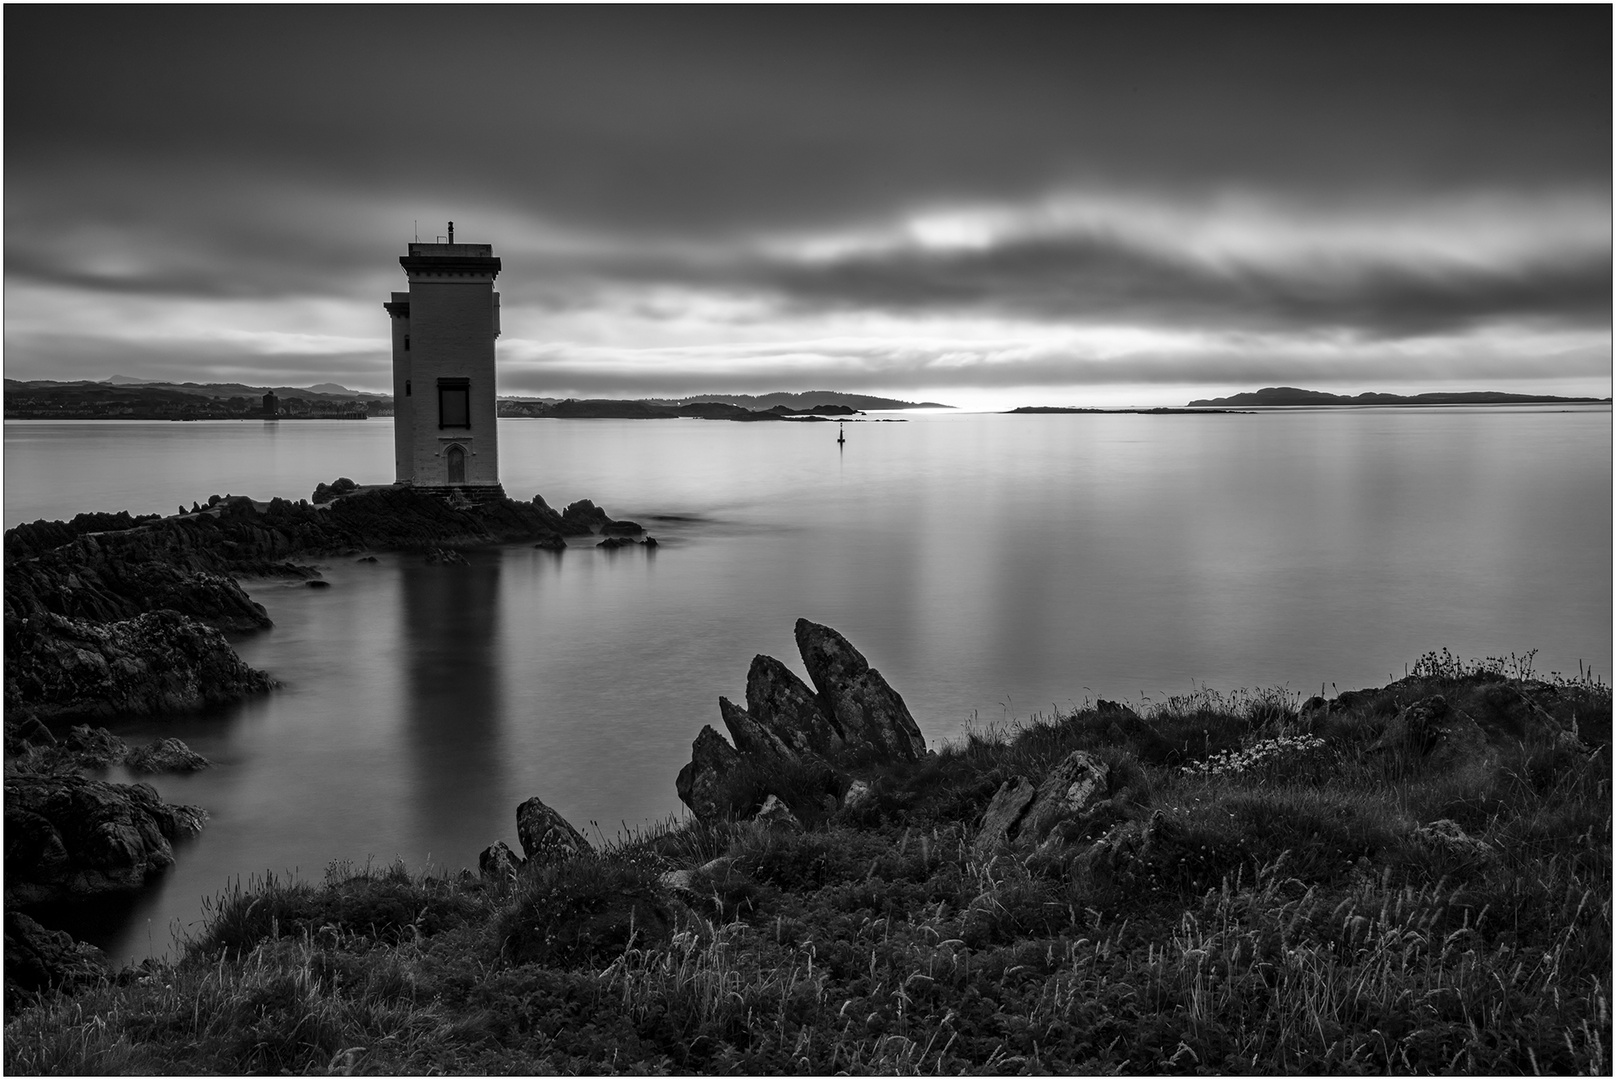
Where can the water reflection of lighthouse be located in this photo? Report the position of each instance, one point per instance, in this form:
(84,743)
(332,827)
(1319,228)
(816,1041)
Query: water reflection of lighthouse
(454,707)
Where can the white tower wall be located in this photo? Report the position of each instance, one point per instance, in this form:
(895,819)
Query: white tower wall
(445,434)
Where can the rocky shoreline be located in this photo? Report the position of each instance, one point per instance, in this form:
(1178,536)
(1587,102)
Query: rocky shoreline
(113,616)
(845,898)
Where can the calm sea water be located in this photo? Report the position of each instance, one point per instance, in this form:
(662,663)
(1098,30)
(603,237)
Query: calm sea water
(991,566)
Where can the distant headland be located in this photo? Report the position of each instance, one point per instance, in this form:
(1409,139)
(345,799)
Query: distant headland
(1290,395)
(124,398)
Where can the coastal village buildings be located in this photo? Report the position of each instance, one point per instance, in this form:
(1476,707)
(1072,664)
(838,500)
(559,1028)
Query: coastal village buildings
(444,437)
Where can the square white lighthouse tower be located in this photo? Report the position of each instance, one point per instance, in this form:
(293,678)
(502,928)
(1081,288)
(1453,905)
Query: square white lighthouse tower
(444,438)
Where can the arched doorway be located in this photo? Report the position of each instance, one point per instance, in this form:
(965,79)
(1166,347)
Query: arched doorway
(456,458)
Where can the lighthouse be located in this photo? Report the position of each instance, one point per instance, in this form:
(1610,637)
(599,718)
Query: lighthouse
(444,438)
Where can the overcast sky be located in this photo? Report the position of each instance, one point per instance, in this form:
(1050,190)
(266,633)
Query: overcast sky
(977,206)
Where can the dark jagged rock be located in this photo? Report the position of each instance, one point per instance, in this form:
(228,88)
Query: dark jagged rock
(870,715)
(1001,823)
(446,557)
(498,863)
(786,728)
(1071,790)
(782,704)
(651,542)
(37,959)
(699,782)
(165,755)
(69,836)
(775,814)
(582,517)
(104,589)
(613,542)
(751,738)
(553,542)
(339,487)
(316,583)
(24,732)
(546,836)
(94,747)
(159,662)
(1073,798)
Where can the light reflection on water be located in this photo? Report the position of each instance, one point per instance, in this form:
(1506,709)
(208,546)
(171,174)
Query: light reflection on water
(990,566)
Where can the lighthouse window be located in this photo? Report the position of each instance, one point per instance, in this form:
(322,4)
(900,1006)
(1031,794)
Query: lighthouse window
(406,388)
(406,343)
(454,403)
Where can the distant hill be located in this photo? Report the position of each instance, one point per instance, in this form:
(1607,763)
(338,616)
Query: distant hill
(322,391)
(1290,395)
(808,399)
(133,400)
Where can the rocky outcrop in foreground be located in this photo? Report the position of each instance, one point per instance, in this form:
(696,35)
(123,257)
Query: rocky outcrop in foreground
(851,717)
(546,837)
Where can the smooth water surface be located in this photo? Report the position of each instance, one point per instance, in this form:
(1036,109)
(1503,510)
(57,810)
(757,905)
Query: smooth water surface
(992,566)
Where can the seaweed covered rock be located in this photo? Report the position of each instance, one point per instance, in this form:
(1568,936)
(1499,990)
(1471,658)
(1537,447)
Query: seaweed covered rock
(69,836)
(159,662)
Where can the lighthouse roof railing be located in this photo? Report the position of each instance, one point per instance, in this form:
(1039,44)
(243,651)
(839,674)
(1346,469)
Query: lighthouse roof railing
(453,251)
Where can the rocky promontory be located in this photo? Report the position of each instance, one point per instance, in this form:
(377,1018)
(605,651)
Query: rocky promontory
(110,614)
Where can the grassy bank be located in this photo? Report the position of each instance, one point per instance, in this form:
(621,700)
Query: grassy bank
(1276,900)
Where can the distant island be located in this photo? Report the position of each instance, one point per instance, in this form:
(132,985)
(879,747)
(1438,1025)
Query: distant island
(1158,410)
(614,409)
(807,399)
(709,406)
(125,398)
(1290,395)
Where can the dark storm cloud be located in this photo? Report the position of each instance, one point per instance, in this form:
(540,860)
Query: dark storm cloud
(700,119)
(168,167)
(1104,278)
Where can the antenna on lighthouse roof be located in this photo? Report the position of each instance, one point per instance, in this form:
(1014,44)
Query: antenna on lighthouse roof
(451,232)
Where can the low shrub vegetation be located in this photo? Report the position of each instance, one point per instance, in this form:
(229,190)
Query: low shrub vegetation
(1279,893)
